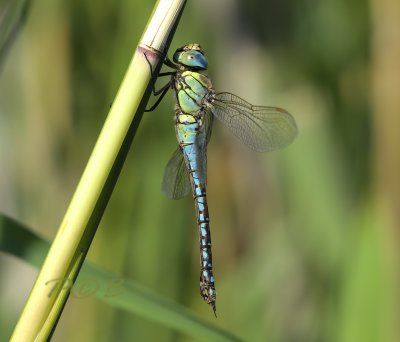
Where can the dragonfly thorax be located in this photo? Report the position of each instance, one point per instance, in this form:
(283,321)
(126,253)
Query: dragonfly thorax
(192,91)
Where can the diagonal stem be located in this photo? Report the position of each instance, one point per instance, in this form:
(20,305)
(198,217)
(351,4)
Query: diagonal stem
(75,234)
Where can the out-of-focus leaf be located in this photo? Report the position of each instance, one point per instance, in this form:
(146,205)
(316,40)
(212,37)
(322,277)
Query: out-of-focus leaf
(12,18)
(366,308)
(16,239)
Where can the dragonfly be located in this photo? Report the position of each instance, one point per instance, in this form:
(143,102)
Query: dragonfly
(197,103)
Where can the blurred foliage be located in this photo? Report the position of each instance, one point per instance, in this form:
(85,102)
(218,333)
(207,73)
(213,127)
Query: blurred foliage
(302,251)
(21,242)
(12,19)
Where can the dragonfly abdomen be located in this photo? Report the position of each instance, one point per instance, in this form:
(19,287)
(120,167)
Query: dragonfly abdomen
(191,138)
(207,286)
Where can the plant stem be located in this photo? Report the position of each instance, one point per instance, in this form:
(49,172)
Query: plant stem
(75,234)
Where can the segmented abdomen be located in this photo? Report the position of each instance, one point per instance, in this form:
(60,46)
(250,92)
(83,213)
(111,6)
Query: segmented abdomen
(192,140)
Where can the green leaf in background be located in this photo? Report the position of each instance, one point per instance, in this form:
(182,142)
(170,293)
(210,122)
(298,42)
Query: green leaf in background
(12,18)
(16,239)
(366,307)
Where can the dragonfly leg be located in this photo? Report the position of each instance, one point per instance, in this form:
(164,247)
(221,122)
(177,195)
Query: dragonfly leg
(169,63)
(154,78)
(163,92)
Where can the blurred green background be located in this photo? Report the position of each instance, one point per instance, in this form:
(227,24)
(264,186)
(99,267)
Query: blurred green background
(305,240)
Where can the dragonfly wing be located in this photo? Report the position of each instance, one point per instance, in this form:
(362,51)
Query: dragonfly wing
(261,128)
(175,183)
(209,119)
(203,137)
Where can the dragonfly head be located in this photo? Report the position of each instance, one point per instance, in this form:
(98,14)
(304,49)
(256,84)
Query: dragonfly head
(191,56)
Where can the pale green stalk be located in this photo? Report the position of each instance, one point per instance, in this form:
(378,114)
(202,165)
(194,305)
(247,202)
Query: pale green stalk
(71,244)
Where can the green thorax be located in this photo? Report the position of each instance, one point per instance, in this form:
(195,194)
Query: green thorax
(192,89)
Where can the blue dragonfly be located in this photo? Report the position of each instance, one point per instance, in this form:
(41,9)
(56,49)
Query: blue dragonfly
(259,127)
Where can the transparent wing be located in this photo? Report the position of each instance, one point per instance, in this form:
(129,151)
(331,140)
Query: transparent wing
(175,183)
(209,119)
(261,128)
(202,138)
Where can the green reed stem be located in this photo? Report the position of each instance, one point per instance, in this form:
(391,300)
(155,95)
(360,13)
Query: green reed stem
(71,244)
